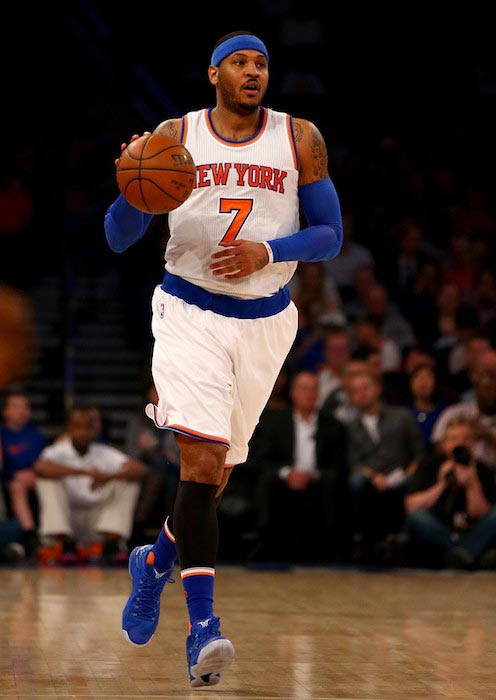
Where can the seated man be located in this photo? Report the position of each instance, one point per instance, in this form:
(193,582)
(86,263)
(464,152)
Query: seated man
(87,492)
(384,446)
(299,454)
(21,442)
(451,503)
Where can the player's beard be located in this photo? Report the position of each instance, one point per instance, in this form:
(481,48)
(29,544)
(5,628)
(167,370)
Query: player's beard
(238,106)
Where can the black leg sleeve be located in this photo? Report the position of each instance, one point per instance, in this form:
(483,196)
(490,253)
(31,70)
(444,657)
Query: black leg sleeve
(195,524)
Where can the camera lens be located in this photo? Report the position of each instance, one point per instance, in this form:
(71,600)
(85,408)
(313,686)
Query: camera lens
(462,455)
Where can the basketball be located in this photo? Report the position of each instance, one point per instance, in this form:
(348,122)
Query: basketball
(156,173)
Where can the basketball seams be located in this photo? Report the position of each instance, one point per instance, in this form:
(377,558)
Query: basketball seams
(149,183)
(155,154)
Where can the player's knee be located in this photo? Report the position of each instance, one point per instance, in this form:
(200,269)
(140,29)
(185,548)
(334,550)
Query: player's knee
(201,461)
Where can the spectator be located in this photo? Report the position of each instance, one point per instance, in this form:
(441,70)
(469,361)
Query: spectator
(337,402)
(447,304)
(451,503)
(21,443)
(399,270)
(368,334)
(384,446)
(11,535)
(308,348)
(482,412)
(467,327)
(87,492)
(420,304)
(364,278)
(352,257)
(337,354)
(484,296)
(460,268)
(425,404)
(390,320)
(469,365)
(300,456)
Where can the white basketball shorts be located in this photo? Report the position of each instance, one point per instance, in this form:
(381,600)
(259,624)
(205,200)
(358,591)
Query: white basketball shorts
(214,374)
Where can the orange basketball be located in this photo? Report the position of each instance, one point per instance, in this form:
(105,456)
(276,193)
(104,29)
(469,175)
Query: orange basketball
(156,173)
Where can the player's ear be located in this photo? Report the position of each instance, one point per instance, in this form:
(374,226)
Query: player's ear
(213,73)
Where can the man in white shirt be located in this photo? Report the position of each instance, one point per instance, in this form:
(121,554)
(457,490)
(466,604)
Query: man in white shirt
(87,492)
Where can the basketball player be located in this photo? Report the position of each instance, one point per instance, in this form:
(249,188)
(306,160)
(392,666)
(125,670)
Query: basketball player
(223,321)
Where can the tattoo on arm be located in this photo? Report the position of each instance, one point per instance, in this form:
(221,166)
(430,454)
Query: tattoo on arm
(312,149)
(297,131)
(168,129)
(319,154)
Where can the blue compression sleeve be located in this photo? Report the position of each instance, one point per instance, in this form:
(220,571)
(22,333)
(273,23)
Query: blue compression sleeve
(124,225)
(323,238)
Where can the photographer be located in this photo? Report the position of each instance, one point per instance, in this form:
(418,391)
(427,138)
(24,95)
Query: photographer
(450,504)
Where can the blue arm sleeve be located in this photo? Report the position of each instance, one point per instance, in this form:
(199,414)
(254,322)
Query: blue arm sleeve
(124,225)
(323,238)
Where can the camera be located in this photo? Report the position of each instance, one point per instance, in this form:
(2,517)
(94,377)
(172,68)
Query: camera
(450,478)
(462,455)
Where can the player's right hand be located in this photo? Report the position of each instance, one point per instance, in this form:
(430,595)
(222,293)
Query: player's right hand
(125,145)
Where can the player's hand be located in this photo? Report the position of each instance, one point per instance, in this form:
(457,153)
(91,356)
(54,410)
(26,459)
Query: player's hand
(125,145)
(239,258)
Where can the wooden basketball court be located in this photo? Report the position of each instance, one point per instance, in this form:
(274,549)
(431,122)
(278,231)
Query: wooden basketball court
(302,634)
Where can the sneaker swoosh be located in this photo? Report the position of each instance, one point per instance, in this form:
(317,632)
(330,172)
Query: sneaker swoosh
(157,574)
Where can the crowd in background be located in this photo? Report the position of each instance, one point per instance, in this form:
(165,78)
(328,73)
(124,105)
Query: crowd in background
(394,364)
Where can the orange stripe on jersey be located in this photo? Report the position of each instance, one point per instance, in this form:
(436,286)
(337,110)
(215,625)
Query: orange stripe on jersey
(237,144)
(201,436)
(197,571)
(186,431)
(292,141)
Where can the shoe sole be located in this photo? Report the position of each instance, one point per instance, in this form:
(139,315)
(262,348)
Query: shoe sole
(135,644)
(212,659)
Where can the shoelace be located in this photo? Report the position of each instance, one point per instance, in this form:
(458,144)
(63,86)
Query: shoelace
(211,629)
(150,590)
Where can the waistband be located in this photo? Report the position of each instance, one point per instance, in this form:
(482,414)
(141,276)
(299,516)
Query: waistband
(222,303)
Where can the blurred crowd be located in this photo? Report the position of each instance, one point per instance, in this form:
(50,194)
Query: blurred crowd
(378,446)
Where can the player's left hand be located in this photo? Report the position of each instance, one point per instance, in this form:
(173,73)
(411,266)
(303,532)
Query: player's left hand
(239,258)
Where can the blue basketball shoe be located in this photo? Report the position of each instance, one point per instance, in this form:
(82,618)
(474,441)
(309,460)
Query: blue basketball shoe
(140,616)
(207,653)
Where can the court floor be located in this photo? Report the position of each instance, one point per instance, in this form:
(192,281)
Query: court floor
(307,633)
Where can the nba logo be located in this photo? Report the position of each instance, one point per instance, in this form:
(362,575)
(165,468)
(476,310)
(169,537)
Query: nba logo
(162,310)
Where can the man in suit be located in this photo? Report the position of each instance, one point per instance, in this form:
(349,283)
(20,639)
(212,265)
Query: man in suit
(384,446)
(300,455)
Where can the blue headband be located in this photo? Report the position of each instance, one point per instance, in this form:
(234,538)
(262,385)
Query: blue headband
(238,43)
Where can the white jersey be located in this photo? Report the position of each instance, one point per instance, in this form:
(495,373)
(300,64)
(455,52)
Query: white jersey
(244,189)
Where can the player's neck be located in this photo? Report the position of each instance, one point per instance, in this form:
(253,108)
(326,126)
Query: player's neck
(235,127)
